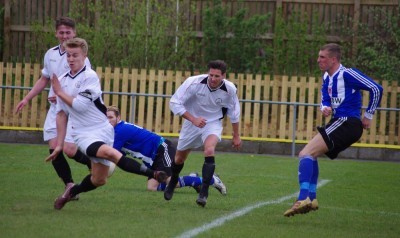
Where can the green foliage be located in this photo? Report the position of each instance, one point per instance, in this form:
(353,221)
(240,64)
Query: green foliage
(44,39)
(296,43)
(139,34)
(237,39)
(154,34)
(378,47)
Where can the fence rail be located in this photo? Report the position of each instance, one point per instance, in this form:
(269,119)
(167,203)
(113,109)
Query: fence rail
(275,107)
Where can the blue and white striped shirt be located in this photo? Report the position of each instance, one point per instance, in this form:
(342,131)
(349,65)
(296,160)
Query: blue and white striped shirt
(341,91)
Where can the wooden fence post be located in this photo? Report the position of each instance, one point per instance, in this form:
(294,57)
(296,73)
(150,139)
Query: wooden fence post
(356,21)
(7,30)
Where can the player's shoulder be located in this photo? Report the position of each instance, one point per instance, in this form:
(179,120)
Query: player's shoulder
(197,78)
(53,51)
(90,73)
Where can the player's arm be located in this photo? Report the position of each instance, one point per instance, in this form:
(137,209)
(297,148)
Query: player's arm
(325,105)
(361,81)
(36,89)
(236,141)
(197,121)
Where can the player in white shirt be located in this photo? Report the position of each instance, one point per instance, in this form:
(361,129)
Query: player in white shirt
(79,102)
(203,101)
(55,62)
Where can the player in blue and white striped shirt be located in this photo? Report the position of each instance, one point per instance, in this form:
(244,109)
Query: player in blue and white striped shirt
(341,99)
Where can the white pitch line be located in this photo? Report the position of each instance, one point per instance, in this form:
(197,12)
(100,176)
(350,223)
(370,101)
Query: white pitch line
(220,221)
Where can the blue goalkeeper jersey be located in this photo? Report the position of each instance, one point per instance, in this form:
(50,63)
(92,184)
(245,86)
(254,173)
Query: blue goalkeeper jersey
(133,139)
(341,91)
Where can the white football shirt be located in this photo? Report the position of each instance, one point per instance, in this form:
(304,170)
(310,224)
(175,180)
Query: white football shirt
(88,109)
(196,97)
(55,62)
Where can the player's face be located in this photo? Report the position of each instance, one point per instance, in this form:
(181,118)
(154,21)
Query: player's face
(325,61)
(215,77)
(112,118)
(64,33)
(76,59)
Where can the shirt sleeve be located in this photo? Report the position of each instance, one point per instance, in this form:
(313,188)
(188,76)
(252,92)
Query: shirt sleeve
(325,98)
(182,94)
(360,81)
(234,110)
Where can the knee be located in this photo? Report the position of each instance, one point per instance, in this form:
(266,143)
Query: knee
(98,181)
(69,150)
(209,151)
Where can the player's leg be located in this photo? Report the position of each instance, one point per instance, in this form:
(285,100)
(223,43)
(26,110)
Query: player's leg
(128,165)
(60,164)
(97,178)
(208,167)
(307,156)
(176,168)
(71,150)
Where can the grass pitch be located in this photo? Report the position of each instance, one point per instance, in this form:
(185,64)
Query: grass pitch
(360,199)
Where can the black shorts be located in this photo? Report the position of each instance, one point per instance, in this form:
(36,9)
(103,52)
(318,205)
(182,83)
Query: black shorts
(165,155)
(340,133)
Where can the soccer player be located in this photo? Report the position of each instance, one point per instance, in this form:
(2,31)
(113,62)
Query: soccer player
(155,151)
(203,101)
(55,62)
(341,99)
(79,101)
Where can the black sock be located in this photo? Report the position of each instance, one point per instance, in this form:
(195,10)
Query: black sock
(85,186)
(175,169)
(62,168)
(82,158)
(207,173)
(132,166)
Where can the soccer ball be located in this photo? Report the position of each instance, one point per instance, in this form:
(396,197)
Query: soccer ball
(111,169)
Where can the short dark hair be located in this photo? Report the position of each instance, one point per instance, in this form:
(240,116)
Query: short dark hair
(217,64)
(66,21)
(333,49)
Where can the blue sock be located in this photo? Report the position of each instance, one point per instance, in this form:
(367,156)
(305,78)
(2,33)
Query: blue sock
(305,173)
(189,181)
(314,180)
(161,187)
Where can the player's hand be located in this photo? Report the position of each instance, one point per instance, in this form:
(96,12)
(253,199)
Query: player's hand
(199,122)
(55,153)
(327,111)
(366,123)
(20,105)
(55,84)
(236,142)
(52,99)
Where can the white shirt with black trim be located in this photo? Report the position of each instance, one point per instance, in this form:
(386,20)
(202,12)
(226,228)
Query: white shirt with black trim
(196,97)
(88,109)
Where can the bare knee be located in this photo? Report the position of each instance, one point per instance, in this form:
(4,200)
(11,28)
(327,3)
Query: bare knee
(98,181)
(209,151)
(70,149)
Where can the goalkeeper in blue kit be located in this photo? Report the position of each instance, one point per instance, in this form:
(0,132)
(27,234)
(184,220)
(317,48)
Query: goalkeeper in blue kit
(155,152)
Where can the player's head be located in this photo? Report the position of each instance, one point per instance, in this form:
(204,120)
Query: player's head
(329,57)
(76,49)
(113,115)
(216,73)
(65,29)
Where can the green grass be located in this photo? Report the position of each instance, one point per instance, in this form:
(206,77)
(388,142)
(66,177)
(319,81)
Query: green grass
(361,200)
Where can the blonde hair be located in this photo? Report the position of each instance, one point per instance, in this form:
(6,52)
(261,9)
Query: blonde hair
(77,43)
(114,109)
